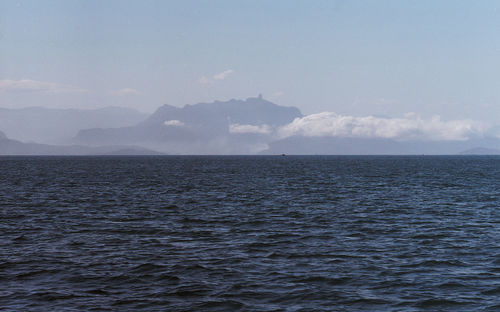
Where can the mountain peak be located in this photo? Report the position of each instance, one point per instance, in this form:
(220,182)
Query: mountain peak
(232,126)
(253,111)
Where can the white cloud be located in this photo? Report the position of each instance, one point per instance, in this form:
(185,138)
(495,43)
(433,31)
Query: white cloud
(237,128)
(411,127)
(28,85)
(174,123)
(125,91)
(220,76)
(223,75)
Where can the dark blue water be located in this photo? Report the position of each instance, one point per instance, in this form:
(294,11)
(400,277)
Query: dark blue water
(250,233)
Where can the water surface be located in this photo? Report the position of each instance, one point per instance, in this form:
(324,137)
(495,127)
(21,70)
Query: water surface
(189,233)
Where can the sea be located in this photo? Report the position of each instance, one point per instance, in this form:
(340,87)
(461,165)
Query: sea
(250,233)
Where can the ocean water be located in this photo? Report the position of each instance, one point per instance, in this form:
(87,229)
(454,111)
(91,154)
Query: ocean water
(189,233)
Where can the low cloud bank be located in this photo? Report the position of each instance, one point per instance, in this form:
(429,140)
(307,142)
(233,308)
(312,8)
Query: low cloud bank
(410,127)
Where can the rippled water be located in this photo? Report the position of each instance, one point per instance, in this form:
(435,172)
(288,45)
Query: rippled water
(250,233)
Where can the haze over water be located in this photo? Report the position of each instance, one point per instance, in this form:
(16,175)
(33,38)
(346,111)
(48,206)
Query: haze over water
(256,233)
(249,233)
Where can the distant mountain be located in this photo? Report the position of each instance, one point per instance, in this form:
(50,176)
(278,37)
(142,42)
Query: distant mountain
(231,127)
(252,111)
(481,151)
(55,126)
(300,145)
(13,147)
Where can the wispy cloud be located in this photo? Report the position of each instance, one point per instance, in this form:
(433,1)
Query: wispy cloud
(411,127)
(28,85)
(220,76)
(174,122)
(237,128)
(223,75)
(125,92)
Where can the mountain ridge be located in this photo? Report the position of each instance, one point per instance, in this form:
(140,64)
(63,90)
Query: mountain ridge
(203,128)
(9,147)
(250,126)
(58,125)
(322,145)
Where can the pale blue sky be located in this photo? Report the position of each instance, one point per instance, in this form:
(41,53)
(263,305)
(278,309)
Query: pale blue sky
(350,57)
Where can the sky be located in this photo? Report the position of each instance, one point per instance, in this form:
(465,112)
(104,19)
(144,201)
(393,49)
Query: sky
(359,58)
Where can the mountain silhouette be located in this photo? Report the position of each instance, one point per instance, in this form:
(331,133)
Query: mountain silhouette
(57,126)
(481,151)
(14,147)
(301,145)
(230,127)
(251,126)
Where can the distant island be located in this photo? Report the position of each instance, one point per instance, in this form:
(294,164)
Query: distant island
(481,151)
(254,126)
(13,147)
